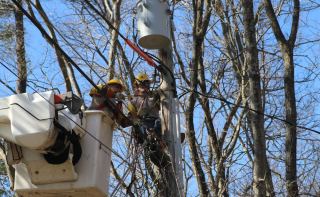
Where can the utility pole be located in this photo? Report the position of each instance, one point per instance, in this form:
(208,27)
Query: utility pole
(170,125)
(154,26)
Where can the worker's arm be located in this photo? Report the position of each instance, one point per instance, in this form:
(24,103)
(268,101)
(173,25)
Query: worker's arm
(156,98)
(132,110)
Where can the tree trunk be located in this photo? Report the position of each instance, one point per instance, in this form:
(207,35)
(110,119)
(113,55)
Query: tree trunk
(114,37)
(60,58)
(201,18)
(191,135)
(73,80)
(287,46)
(291,118)
(196,163)
(256,117)
(20,51)
(21,86)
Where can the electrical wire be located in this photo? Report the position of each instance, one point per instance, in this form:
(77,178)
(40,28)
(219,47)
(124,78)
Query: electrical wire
(168,70)
(159,61)
(253,110)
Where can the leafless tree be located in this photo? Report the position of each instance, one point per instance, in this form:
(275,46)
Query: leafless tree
(287,50)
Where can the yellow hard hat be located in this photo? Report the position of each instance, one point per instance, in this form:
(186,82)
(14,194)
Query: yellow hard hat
(94,90)
(115,82)
(142,77)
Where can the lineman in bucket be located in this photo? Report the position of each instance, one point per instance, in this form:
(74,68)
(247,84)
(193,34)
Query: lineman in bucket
(112,90)
(144,109)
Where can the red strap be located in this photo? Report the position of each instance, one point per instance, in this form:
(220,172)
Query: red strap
(145,56)
(100,107)
(57,99)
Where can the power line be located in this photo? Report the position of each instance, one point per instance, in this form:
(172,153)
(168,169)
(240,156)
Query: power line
(253,110)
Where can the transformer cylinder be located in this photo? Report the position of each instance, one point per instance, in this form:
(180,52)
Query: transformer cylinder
(153,21)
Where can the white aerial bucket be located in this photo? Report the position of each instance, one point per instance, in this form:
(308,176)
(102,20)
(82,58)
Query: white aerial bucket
(27,119)
(31,121)
(35,177)
(153,23)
